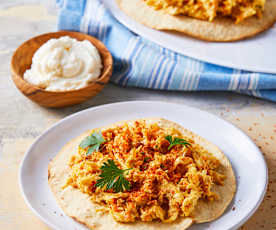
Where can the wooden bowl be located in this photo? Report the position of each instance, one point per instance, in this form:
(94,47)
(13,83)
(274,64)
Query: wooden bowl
(22,60)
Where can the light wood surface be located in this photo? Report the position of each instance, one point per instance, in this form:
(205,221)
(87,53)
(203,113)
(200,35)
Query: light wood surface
(22,60)
(21,120)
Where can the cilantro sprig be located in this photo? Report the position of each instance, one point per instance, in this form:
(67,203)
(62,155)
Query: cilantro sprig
(93,141)
(113,178)
(176,141)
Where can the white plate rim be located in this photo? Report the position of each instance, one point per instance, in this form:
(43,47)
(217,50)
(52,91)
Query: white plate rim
(68,118)
(148,33)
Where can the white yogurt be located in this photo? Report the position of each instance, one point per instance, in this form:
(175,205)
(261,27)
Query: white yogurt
(64,64)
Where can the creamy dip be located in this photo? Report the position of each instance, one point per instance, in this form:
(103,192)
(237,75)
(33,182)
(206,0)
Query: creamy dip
(64,64)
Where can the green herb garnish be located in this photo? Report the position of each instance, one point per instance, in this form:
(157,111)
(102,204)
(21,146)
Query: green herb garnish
(93,141)
(176,141)
(113,178)
(146,159)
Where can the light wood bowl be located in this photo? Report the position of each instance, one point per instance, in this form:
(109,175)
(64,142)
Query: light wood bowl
(22,60)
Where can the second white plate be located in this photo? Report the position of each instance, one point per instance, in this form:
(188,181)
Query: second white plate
(255,54)
(247,161)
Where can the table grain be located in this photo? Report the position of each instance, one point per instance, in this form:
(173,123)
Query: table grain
(21,121)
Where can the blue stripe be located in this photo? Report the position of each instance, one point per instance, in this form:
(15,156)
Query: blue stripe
(129,70)
(151,70)
(138,53)
(163,74)
(239,81)
(169,76)
(158,71)
(248,81)
(172,70)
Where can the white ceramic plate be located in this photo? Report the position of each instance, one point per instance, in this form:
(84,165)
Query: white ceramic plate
(247,161)
(255,54)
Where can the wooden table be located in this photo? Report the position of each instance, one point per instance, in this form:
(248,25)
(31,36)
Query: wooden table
(21,121)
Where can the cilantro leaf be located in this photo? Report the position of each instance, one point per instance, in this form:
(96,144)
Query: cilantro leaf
(113,178)
(176,141)
(93,141)
(87,142)
(147,159)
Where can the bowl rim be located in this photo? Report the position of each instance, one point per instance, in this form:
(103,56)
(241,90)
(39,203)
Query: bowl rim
(100,80)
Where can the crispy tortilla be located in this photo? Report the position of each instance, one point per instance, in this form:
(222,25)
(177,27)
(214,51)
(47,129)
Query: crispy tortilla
(208,211)
(78,205)
(221,29)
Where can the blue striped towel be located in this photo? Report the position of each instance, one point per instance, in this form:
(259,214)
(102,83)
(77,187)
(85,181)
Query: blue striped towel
(141,63)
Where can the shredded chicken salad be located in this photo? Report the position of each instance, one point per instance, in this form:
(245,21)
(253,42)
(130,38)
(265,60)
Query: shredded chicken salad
(140,171)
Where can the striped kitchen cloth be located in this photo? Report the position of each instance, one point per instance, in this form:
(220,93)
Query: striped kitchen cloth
(142,63)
